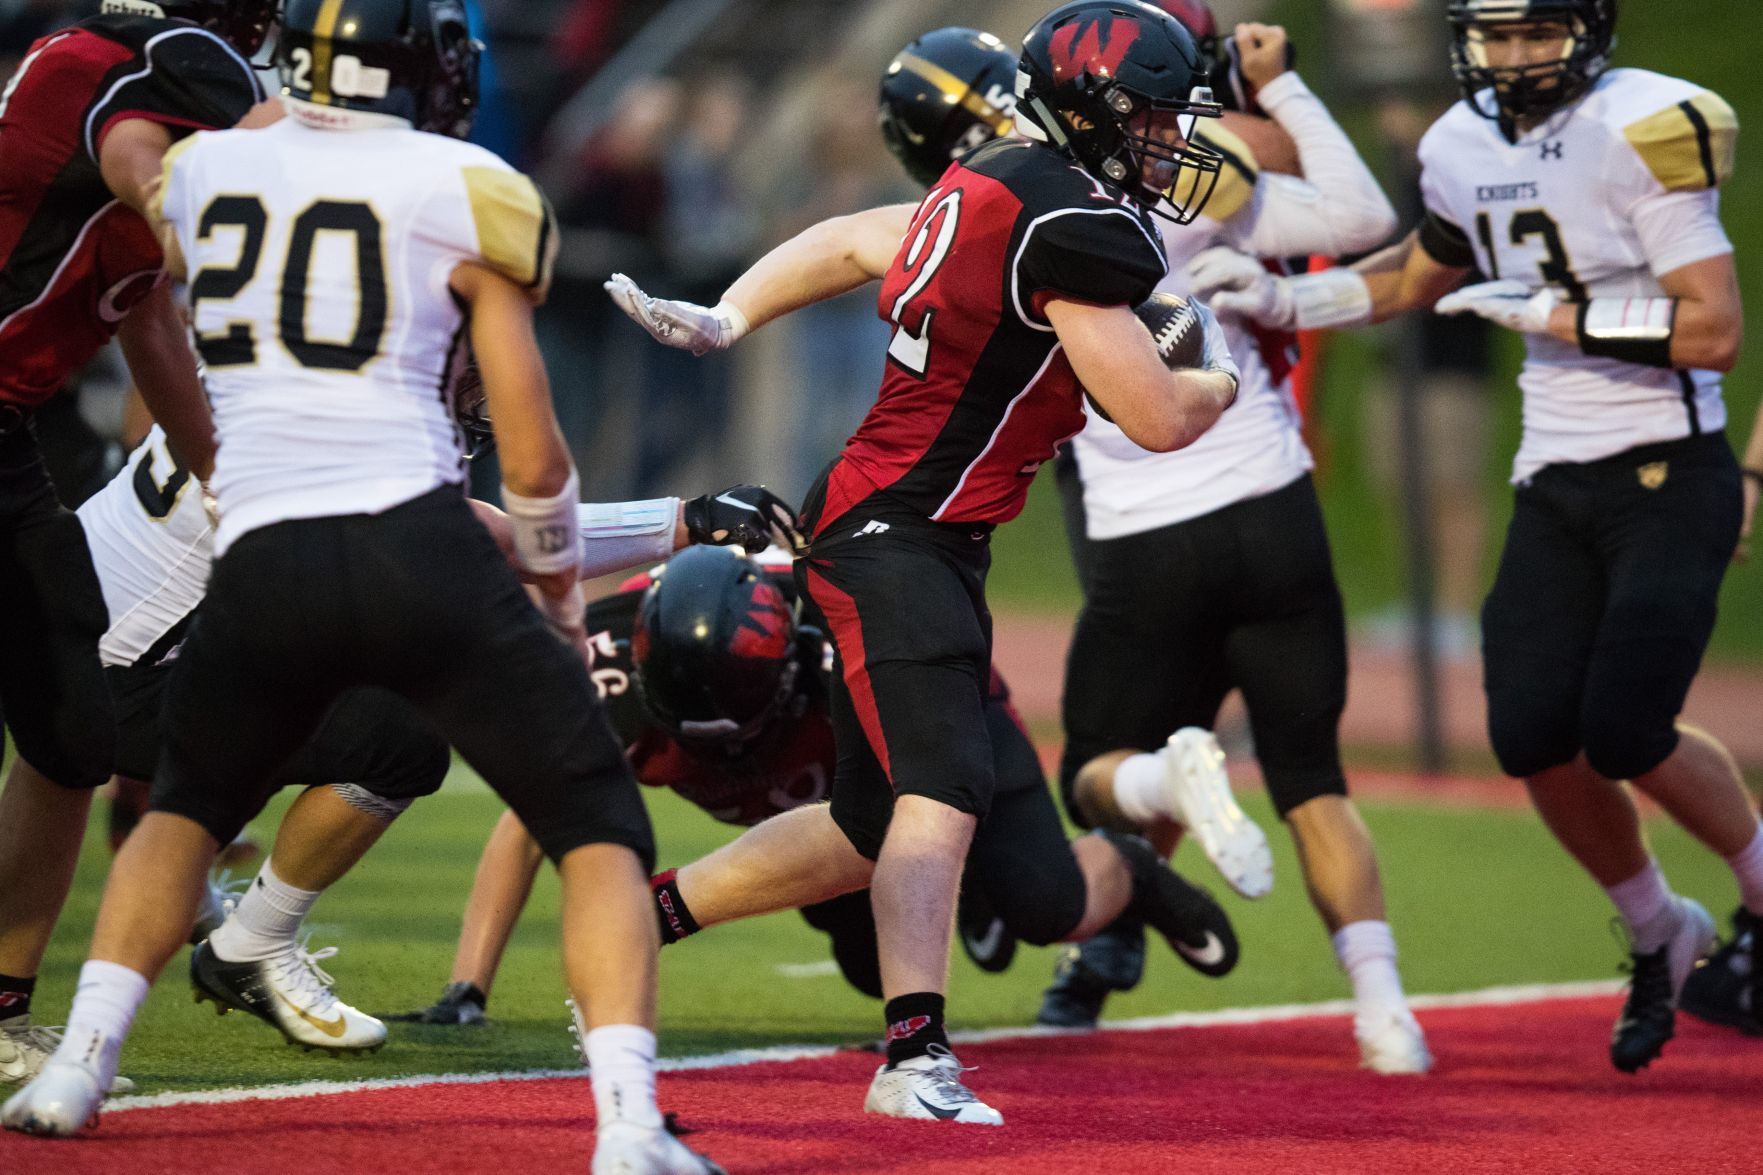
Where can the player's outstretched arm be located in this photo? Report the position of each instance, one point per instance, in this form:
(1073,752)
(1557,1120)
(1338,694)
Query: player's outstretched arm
(1392,281)
(1116,360)
(1337,207)
(831,258)
(156,345)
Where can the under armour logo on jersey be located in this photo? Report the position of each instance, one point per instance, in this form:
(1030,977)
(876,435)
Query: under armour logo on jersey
(1552,150)
(871,527)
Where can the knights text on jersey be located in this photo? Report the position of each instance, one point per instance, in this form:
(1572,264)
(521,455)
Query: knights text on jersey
(1597,202)
(152,547)
(73,260)
(319,263)
(977,390)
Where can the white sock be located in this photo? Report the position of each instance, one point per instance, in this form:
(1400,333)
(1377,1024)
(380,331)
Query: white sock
(1139,792)
(1644,901)
(104,1007)
(265,921)
(1367,951)
(1747,869)
(621,1061)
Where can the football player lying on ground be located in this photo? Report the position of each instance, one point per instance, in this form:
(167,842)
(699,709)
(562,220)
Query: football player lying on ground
(949,92)
(1604,240)
(718,692)
(153,544)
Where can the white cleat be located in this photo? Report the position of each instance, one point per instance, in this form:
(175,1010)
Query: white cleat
(25,1048)
(291,993)
(64,1097)
(625,1148)
(1198,788)
(929,1088)
(1392,1043)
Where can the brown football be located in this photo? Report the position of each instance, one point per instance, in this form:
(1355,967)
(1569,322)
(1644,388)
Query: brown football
(1175,328)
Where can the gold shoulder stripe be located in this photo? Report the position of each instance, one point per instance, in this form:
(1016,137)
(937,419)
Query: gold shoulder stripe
(1689,147)
(1236,179)
(156,204)
(516,233)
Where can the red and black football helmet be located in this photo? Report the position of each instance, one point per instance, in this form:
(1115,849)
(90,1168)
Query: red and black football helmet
(1511,95)
(412,59)
(1092,70)
(243,24)
(946,93)
(714,650)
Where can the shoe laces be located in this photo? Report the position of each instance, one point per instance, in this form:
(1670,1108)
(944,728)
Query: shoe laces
(228,890)
(298,969)
(40,1038)
(945,1073)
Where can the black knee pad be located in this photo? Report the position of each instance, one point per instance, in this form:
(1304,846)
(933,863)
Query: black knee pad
(1041,906)
(1530,736)
(850,923)
(1291,788)
(414,763)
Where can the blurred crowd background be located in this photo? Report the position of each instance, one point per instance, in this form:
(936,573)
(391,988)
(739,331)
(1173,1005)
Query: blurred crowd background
(679,139)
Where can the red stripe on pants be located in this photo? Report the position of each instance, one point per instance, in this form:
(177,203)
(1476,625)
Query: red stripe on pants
(841,614)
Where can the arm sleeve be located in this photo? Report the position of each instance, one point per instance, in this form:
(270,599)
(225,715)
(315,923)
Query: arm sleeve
(1103,255)
(516,230)
(190,79)
(1678,228)
(1337,208)
(617,535)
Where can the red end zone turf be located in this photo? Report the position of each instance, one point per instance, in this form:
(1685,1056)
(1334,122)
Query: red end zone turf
(1524,1088)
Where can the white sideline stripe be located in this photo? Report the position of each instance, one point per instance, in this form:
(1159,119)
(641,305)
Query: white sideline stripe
(814,970)
(1487,997)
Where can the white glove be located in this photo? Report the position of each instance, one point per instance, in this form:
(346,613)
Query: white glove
(686,325)
(1509,303)
(1215,351)
(1235,283)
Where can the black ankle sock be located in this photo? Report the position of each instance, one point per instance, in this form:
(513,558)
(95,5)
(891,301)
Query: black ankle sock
(670,909)
(15,996)
(915,1022)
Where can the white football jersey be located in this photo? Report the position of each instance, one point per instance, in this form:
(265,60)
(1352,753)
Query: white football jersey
(1256,447)
(319,262)
(1616,189)
(152,546)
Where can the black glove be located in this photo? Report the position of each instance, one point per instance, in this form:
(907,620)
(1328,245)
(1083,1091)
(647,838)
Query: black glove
(751,516)
(461,1004)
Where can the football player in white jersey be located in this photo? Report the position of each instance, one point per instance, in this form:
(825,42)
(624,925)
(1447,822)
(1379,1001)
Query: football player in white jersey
(373,754)
(1245,481)
(1591,197)
(335,262)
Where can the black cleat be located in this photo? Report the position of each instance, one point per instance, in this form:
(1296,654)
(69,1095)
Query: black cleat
(290,993)
(1114,960)
(1649,1015)
(460,1004)
(1724,989)
(985,938)
(1195,925)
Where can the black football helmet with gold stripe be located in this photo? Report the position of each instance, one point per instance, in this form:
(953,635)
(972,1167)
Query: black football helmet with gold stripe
(411,59)
(946,93)
(243,24)
(1511,94)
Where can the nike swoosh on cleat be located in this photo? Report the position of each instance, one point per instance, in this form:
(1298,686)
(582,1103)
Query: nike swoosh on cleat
(1209,955)
(937,1112)
(331,1028)
(987,944)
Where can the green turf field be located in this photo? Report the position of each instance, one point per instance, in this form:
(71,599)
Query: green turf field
(1478,898)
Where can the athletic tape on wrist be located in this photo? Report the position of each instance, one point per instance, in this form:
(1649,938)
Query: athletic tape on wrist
(734,323)
(546,538)
(1334,297)
(1633,330)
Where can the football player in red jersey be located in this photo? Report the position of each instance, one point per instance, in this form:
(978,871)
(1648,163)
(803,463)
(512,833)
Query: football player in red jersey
(84,123)
(1011,294)
(719,694)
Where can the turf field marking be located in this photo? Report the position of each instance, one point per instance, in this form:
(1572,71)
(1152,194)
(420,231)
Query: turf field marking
(1487,997)
(814,970)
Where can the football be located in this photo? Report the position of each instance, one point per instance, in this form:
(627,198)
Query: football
(1180,338)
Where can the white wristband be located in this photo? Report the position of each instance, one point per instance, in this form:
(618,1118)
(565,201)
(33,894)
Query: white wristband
(1334,297)
(546,538)
(616,535)
(734,323)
